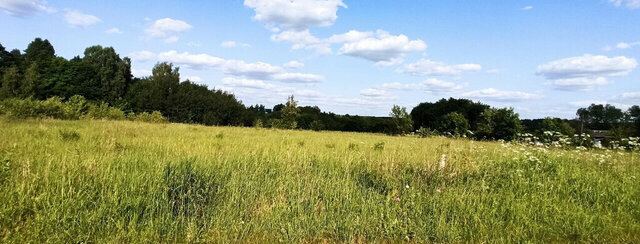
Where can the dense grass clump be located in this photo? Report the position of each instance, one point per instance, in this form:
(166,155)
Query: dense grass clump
(131,182)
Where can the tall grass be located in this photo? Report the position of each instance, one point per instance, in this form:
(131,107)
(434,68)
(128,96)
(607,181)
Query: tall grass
(123,181)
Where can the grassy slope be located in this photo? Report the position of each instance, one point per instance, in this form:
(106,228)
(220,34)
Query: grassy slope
(71,181)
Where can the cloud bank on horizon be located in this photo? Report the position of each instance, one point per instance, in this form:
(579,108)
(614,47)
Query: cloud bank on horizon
(350,57)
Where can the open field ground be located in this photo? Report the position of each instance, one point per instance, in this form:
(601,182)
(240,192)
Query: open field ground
(131,182)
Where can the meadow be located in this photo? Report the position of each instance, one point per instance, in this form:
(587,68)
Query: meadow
(134,182)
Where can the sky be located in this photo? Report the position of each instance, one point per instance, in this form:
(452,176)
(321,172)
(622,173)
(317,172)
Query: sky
(540,57)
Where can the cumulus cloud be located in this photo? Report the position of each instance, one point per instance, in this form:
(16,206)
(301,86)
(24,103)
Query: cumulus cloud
(437,86)
(21,8)
(627,45)
(296,14)
(167,29)
(431,85)
(374,92)
(142,56)
(78,19)
(633,96)
(384,48)
(113,31)
(171,39)
(493,94)
(303,40)
(140,72)
(585,72)
(633,4)
(255,70)
(381,47)
(427,67)
(579,83)
(232,44)
(293,65)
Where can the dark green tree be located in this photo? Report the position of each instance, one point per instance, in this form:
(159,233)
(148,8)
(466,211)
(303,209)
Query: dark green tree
(454,123)
(113,72)
(499,124)
(10,83)
(39,51)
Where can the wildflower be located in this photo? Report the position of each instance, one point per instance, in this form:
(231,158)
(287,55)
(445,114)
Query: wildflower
(443,161)
(397,199)
(438,190)
(407,186)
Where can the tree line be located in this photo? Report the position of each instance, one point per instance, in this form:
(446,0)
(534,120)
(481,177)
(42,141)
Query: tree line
(101,75)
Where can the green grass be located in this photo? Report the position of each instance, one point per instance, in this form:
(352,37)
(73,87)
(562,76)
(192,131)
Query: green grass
(132,182)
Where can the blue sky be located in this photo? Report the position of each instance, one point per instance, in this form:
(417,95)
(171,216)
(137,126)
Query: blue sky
(543,58)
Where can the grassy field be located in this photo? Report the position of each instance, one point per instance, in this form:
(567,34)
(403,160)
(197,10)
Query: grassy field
(131,182)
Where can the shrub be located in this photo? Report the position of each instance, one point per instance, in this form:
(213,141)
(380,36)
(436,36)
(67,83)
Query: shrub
(69,135)
(189,189)
(75,107)
(154,117)
(426,132)
(455,124)
(317,125)
(258,123)
(378,146)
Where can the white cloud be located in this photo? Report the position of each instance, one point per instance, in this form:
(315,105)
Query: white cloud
(303,40)
(293,65)
(579,83)
(167,28)
(256,70)
(78,19)
(585,72)
(297,78)
(265,89)
(296,14)
(142,56)
(113,31)
(528,7)
(228,44)
(428,67)
(350,36)
(437,86)
(21,8)
(383,48)
(501,96)
(626,45)
(140,72)
(374,92)
(171,39)
(193,61)
(633,4)
(431,85)
(231,44)
(633,96)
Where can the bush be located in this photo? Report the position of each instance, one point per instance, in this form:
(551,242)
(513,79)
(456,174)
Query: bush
(29,108)
(75,107)
(454,124)
(317,125)
(426,132)
(103,111)
(154,117)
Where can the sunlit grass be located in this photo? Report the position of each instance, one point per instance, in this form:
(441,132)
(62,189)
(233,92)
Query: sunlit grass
(120,181)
